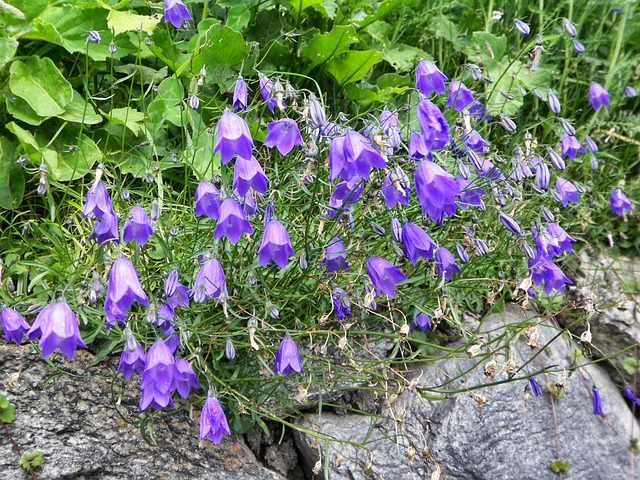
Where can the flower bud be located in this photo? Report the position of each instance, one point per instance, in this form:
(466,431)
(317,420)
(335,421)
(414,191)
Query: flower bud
(229,350)
(569,27)
(508,124)
(93,36)
(556,159)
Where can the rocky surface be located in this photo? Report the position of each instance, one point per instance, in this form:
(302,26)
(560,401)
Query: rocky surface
(72,420)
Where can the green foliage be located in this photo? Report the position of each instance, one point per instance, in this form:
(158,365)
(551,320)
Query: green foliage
(31,460)
(560,465)
(7,410)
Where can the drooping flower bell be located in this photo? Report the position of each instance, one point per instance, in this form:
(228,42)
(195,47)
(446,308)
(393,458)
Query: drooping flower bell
(543,270)
(185,379)
(133,358)
(384,275)
(57,327)
(14,325)
(276,245)
(598,96)
(123,289)
(628,392)
(137,226)
(98,203)
(353,155)
(535,388)
(446,264)
(597,402)
(437,191)
(106,229)
(578,47)
(620,203)
(283,134)
(208,200)
(341,303)
(210,282)
(194,102)
(522,27)
(175,293)
(176,12)
(335,256)
(240,96)
(421,321)
(288,358)
(571,146)
(158,377)
(232,137)
(417,148)
(249,174)
(567,191)
(554,103)
(510,224)
(396,188)
(429,78)
(416,242)
(213,422)
(435,129)
(231,221)
(459,95)
(391,129)
(317,115)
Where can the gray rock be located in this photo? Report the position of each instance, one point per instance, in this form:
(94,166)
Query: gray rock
(500,431)
(72,420)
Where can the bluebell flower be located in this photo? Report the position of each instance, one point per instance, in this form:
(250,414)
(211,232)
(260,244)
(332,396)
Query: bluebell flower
(522,27)
(276,245)
(14,325)
(571,146)
(543,270)
(510,224)
(459,95)
(240,95)
(429,78)
(435,129)
(567,191)
(462,253)
(472,139)
(620,203)
(416,242)
(535,388)
(210,282)
(213,423)
(123,289)
(184,379)
(437,191)
(391,129)
(249,174)
(569,27)
(597,402)
(591,145)
(446,264)
(417,148)
(288,358)
(232,137)
(229,350)
(335,256)
(341,303)
(231,222)
(98,203)
(194,102)
(554,103)
(421,321)
(283,134)
(176,294)
(578,47)
(158,377)
(94,36)
(137,226)
(207,200)
(133,358)
(317,115)
(598,96)
(395,188)
(628,392)
(176,12)
(630,92)
(57,327)
(106,229)
(384,275)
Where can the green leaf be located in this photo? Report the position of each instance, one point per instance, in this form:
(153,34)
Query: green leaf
(75,159)
(328,8)
(199,152)
(11,177)
(80,111)
(40,83)
(171,91)
(21,110)
(127,116)
(8,47)
(380,11)
(7,411)
(444,28)
(26,139)
(300,5)
(353,66)
(322,48)
(221,45)
(125,21)
(238,17)
(403,57)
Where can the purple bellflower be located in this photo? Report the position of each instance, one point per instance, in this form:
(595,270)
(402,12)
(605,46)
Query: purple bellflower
(97,202)
(462,253)
(57,327)
(472,139)
(317,115)
(554,103)
(133,358)
(421,321)
(628,392)
(249,174)
(598,96)
(176,12)
(445,263)
(14,325)
(571,146)
(232,137)
(231,222)
(213,422)
(276,245)
(391,129)
(284,135)
(335,256)
(123,289)
(175,293)
(591,145)
(522,27)
(535,388)
(510,224)
(240,96)
(158,377)
(210,282)
(384,275)
(429,78)
(543,270)
(137,226)
(578,47)
(353,155)
(207,200)
(459,95)
(106,229)
(416,242)
(185,379)
(597,402)
(395,188)
(417,148)
(435,129)
(194,102)
(555,239)
(288,358)
(567,191)
(229,350)
(630,92)
(620,203)
(437,191)
(341,303)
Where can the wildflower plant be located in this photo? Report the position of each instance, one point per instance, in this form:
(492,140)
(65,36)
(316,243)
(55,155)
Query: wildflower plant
(299,217)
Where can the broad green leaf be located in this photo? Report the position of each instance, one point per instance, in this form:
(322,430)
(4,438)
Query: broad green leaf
(8,47)
(328,8)
(199,153)
(403,58)
(30,8)
(380,11)
(300,5)
(127,116)
(353,65)
(444,28)
(166,50)
(171,95)
(125,21)
(171,91)
(27,140)
(221,45)
(74,159)
(11,176)
(41,85)
(79,111)
(487,45)
(21,110)
(322,48)
(238,17)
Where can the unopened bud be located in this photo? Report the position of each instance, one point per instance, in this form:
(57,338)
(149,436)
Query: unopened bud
(508,124)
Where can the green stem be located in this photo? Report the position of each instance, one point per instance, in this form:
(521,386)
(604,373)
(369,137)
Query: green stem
(205,9)
(616,49)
